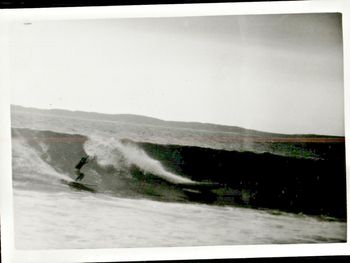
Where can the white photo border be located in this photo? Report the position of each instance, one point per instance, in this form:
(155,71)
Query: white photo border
(10,254)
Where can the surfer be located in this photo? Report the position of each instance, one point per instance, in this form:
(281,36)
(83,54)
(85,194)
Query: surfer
(82,162)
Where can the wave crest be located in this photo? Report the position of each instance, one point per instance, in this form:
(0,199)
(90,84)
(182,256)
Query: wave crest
(123,155)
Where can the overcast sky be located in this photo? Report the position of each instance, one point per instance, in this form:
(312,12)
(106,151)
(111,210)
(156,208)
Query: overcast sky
(277,73)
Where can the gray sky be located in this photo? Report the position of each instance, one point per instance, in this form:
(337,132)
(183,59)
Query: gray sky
(277,73)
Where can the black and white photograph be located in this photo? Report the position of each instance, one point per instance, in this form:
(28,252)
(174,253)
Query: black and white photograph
(183,131)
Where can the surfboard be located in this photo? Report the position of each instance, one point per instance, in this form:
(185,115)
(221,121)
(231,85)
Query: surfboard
(79,182)
(80,186)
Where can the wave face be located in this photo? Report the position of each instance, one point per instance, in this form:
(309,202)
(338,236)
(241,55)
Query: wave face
(300,185)
(121,169)
(30,165)
(124,168)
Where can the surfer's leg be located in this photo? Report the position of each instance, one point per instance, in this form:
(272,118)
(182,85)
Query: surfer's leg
(80,177)
(79,174)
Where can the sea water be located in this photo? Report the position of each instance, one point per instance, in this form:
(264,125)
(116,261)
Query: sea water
(121,210)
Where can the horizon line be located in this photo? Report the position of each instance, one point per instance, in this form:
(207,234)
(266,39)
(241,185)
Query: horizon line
(175,121)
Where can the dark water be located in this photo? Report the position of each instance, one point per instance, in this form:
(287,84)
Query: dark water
(176,173)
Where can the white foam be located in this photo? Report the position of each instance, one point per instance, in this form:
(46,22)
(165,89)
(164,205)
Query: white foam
(27,164)
(113,152)
(79,220)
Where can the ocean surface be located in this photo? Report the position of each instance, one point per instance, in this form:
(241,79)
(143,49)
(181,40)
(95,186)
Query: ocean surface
(141,190)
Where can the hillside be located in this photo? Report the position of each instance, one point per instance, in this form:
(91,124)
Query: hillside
(139,119)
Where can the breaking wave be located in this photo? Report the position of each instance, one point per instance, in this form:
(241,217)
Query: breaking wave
(112,152)
(30,166)
(176,173)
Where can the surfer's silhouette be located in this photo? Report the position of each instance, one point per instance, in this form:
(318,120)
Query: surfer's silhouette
(82,162)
